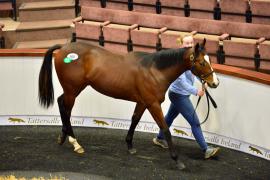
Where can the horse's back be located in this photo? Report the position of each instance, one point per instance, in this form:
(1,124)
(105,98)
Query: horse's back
(110,73)
(81,47)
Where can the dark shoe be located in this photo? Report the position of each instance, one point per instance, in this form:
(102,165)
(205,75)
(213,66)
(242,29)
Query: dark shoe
(160,142)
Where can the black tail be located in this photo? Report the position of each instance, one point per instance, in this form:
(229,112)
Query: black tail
(46,93)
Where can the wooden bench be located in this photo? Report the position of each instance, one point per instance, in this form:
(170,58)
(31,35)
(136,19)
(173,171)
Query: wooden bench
(205,26)
(230,10)
(248,53)
(47,10)
(9,5)
(237,51)
(43,32)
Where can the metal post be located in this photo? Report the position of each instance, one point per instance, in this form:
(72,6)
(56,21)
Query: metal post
(257,59)
(130,5)
(217,11)
(73,37)
(248,12)
(103,3)
(77,8)
(101,39)
(14,11)
(220,54)
(158,44)
(158,7)
(187,9)
(129,42)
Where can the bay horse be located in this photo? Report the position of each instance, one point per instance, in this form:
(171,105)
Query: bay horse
(136,76)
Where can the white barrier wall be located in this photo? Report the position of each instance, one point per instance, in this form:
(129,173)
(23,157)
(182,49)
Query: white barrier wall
(241,121)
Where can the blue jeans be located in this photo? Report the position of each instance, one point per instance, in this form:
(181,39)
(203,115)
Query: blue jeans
(182,104)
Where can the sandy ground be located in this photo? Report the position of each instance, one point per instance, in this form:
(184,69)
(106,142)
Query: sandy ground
(32,151)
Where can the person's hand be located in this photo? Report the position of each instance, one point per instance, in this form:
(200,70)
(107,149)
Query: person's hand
(200,92)
(204,86)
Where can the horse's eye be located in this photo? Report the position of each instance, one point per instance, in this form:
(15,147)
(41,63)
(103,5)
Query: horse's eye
(202,63)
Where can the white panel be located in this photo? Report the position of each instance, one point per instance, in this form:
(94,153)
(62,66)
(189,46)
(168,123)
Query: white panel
(243,106)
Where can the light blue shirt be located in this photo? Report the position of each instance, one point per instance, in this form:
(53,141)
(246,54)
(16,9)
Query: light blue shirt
(184,84)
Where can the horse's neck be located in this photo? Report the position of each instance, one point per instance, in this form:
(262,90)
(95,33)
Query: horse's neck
(166,76)
(171,74)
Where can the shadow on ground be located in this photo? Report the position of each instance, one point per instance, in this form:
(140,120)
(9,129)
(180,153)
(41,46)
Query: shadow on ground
(32,151)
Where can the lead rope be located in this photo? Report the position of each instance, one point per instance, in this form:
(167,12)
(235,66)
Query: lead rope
(208,96)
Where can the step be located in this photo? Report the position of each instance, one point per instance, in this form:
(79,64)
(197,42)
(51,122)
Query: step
(47,10)
(247,63)
(232,10)
(237,29)
(39,25)
(39,44)
(44,30)
(117,33)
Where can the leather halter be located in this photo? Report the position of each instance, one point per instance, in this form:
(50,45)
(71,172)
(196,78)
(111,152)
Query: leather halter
(208,96)
(202,77)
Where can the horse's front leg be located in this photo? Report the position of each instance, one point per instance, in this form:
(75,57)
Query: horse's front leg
(156,112)
(65,104)
(138,112)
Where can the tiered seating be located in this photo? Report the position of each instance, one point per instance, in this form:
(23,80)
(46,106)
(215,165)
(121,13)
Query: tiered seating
(44,33)
(44,10)
(9,6)
(2,39)
(44,23)
(228,10)
(245,30)
(241,37)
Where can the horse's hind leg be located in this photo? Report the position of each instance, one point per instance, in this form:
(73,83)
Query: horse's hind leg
(66,125)
(139,109)
(65,104)
(156,112)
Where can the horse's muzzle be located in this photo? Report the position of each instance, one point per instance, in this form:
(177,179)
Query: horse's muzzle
(213,84)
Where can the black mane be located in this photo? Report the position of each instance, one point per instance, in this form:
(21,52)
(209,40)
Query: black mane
(162,59)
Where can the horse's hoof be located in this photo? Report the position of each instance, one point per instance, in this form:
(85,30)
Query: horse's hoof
(132,151)
(180,166)
(80,150)
(61,139)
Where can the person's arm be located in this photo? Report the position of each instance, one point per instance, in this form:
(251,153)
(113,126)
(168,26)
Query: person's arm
(187,86)
(202,90)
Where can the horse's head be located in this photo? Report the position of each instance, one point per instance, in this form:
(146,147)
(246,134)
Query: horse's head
(200,65)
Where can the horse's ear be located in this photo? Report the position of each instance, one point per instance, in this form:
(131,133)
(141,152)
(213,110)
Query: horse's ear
(197,48)
(203,43)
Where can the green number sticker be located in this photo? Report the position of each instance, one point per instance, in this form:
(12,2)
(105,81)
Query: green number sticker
(67,60)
